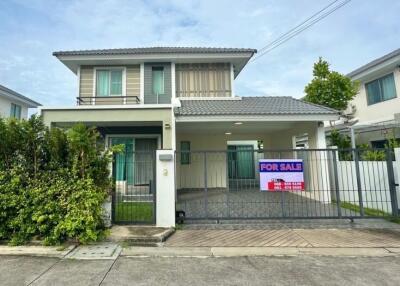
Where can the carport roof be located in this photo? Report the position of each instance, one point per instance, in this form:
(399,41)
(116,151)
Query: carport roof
(266,105)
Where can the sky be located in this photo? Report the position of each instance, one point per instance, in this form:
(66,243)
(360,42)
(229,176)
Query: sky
(30,31)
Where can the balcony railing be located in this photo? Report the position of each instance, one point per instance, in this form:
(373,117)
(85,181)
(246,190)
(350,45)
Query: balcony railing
(108,100)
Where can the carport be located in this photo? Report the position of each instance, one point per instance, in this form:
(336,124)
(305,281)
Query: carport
(220,142)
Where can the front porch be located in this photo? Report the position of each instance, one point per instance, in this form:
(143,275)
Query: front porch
(141,132)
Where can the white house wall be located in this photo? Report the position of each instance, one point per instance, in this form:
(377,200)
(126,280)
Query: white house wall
(5,108)
(379,111)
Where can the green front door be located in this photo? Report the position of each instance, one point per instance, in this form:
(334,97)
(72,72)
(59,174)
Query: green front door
(241,161)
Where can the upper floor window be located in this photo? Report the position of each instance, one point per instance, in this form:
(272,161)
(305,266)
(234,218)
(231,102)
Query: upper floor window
(158,80)
(203,80)
(381,89)
(15,111)
(109,82)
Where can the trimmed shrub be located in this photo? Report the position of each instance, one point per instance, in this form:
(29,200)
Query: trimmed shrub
(52,182)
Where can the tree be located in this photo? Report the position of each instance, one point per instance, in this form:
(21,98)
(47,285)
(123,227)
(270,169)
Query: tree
(330,88)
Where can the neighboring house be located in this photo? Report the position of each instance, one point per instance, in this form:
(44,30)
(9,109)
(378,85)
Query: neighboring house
(183,99)
(374,114)
(13,104)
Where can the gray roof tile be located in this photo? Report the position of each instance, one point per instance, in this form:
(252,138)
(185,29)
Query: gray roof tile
(273,105)
(375,62)
(154,50)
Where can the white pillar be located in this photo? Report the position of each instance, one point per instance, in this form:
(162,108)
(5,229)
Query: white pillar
(353,138)
(141,86)
(323,173)
(165,184)
(320,136)
(396,166)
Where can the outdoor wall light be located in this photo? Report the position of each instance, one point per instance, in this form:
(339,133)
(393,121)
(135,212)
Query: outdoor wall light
(167,126)
(228,133)
(238,123)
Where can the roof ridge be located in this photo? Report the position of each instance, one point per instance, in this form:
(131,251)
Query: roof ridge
(268,96)
(166,48)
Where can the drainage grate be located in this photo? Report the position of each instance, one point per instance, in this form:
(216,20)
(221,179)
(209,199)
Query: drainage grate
(98,251)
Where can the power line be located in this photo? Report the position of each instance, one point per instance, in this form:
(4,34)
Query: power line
(300,28)
(301,24)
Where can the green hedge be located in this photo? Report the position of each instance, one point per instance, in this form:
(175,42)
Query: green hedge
(52,182)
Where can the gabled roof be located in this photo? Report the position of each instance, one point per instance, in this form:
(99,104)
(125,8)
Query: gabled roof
(237,56)
(374,63)
(155,50)
(266,105)
(4,91)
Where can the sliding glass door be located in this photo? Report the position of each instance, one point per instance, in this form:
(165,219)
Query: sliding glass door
(124,162)
(135,164)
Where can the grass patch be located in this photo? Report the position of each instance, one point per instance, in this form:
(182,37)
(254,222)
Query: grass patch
(370,212)
(178,226)
(134,212)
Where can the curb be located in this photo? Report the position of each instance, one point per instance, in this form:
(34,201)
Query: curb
(41,251)
(209,252)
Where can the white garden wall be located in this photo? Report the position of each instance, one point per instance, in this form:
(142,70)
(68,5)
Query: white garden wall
(373,180)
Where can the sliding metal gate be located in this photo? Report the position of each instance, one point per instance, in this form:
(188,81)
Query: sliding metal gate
(134,196)
(337,184)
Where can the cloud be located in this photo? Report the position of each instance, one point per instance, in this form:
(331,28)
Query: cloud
(31,30)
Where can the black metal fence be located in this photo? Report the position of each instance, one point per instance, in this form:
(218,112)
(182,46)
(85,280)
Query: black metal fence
(226,184)
(134,193)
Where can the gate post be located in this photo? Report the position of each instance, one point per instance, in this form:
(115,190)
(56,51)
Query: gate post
(336,179)
(358,178)
(392,183)
(165,188)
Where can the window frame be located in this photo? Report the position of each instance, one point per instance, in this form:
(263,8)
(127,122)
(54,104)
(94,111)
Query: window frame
(185,160)
(109,69)
(13,111)
(154,68)
(380,88)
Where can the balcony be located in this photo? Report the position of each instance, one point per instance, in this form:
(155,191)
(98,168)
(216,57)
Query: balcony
(108,100)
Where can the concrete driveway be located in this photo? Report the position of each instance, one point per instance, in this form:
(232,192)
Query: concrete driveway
(251,203)
(299,270)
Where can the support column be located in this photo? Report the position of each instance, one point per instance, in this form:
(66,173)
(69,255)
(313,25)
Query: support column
(322,170)
(320,136)
(165,192)
(396,170)
(353,138)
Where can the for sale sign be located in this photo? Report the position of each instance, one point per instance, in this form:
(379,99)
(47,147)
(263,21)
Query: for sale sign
(281,175)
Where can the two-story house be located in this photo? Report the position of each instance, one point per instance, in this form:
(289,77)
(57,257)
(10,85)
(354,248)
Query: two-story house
(14,104)
(181,98)
(375,111)
(175,94)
